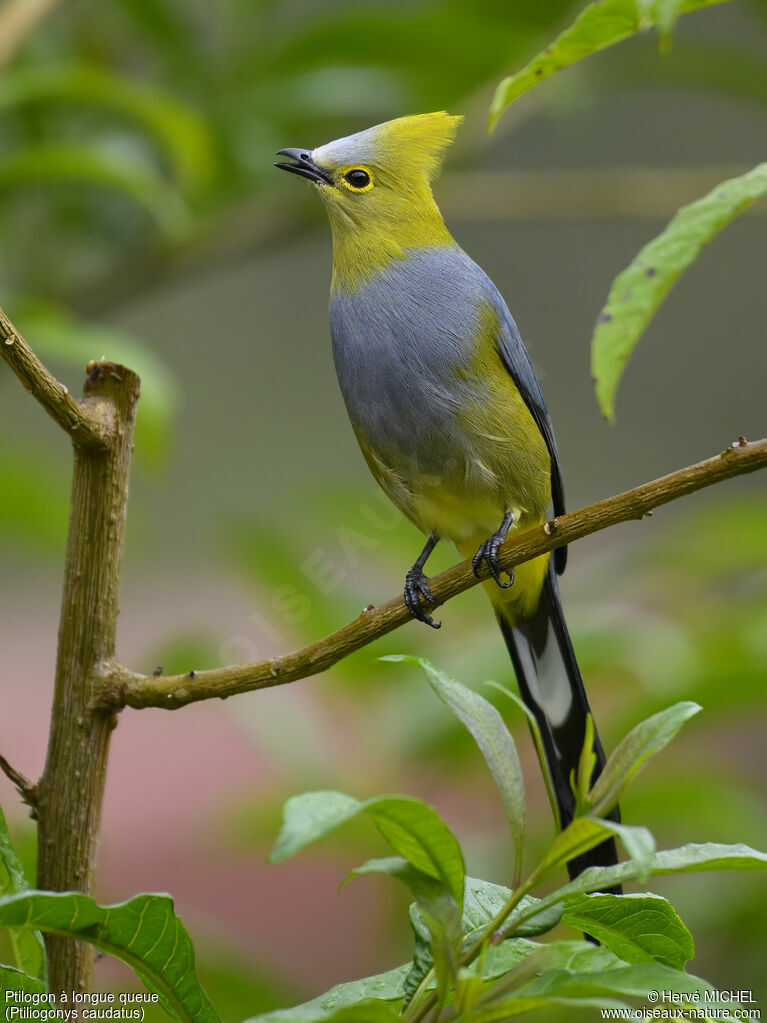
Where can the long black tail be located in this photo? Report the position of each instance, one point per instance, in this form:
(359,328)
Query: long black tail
(551,685)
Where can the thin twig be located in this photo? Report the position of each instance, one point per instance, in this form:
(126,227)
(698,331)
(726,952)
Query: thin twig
(89,425)
(120,687)
(26,788)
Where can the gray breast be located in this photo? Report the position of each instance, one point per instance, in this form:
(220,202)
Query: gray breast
(396,343)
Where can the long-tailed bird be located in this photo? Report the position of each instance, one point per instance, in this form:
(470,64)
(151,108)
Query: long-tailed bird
(447,408)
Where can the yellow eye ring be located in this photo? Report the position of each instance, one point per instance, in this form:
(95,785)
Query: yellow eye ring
(358,179)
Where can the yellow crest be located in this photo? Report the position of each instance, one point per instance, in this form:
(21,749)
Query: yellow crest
(417,140)
(401,148)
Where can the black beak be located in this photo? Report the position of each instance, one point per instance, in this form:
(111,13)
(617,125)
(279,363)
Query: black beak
(303,166)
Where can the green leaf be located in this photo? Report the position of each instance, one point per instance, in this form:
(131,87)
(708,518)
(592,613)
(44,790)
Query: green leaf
(637,928)
(27,944)
(383,987)
(443,924)
(483,901)
(91,166)
(599,25)
(645,740)
(685,859)
(666,13)
(142,932)
(413,829)
(495,743)
(586,764)
(577,973)
(365,1012)
(17,980)
(585,833)
(557,955)
(423,960)
(420,884)
(537,741)
(519,1006)
(509,996)
(637,292)
(435,920)
(632,981)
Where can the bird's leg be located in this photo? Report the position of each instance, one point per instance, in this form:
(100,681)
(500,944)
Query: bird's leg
(417,587)
(488,552)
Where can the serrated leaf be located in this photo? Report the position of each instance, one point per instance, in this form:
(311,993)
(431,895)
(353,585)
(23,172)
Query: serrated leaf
(143,932)
(599,25)
(637,928)
(27,943)
(413,829)
(383,987)
(645,740)
(495,743)
(637,292)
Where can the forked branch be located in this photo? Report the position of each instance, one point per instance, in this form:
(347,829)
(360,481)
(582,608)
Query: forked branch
(88,425)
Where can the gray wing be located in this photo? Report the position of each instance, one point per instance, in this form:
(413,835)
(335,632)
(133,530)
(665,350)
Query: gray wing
(517,362)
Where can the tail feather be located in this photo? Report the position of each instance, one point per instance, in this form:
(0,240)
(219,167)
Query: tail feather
(551,685)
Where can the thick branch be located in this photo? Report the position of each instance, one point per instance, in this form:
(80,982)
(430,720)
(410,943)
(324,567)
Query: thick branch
(120,687)
(90,425)
(71,789)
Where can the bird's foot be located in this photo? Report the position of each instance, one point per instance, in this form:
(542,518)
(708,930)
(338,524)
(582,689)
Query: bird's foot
(416,586)
(488,552)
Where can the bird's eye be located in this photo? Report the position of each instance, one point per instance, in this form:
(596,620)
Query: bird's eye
(358,178)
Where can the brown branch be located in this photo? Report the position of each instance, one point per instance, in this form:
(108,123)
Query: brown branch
(89,425)
(71,789)
(120,687)
(25,788)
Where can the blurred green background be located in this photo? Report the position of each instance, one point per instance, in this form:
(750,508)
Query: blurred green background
(141,220)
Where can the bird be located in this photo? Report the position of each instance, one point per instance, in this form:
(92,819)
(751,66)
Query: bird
(447,409)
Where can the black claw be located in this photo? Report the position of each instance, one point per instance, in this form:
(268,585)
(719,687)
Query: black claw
(488,552)
(416,587)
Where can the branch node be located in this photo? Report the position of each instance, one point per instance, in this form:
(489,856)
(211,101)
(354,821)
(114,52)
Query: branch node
(25,788)
(737,445)
(550,527)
